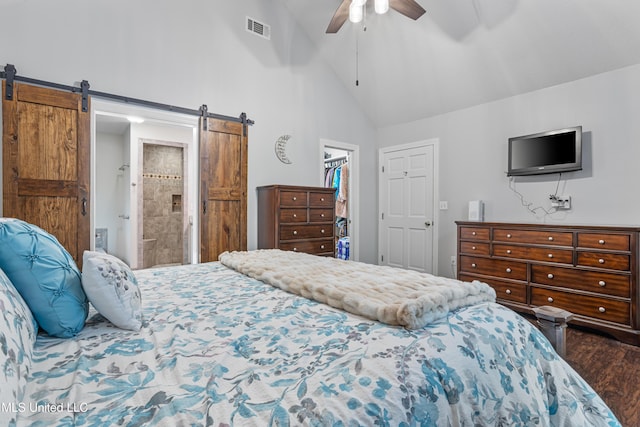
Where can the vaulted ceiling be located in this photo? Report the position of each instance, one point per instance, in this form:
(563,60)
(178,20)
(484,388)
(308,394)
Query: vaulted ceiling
(468,52)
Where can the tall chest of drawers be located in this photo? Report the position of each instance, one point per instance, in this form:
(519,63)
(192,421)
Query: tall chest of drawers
(591,271)
(294,218)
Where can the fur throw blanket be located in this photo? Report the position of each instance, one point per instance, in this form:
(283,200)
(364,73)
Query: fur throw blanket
(386,294)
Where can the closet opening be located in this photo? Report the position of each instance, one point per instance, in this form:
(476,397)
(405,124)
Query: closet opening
(340,171)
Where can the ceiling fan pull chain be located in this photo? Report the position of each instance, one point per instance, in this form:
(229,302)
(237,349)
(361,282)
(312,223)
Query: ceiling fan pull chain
(357,36)
(364,28)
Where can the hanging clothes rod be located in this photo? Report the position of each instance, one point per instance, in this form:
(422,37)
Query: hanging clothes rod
(10,75)
(335,159)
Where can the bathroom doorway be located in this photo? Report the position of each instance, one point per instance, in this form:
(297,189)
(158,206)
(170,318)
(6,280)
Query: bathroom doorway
(121,133)
(164,222)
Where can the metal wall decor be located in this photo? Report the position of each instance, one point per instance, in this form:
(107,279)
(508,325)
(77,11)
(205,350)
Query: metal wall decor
(280,148)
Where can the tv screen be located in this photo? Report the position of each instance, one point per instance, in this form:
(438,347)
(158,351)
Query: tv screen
(546,152)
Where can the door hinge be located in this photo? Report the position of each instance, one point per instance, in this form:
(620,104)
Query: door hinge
(382,215)
(382,169)
(381,258)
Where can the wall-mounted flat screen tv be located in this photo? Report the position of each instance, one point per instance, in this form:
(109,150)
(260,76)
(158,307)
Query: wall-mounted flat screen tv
(553,151)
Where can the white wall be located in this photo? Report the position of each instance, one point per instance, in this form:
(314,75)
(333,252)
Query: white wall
(109,185)
(473,155)
(198,52)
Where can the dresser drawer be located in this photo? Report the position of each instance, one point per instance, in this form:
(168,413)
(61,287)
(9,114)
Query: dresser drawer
(320,215)
(305,231)
(293,198)
(293,215)
(599,308)
(550,254)
(604,260)
(474,233)
(592,281)
(516,292)
(323,200)
(310,247)
(507,269)
(556,238)
(474,248)
(613,242)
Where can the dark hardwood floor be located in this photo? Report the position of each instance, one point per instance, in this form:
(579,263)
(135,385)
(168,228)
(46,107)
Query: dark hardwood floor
(611,368)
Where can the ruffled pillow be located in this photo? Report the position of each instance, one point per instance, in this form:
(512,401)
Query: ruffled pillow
(45,275)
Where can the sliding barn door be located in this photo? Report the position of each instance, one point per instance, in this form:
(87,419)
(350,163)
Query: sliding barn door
(223,186)
(45,163)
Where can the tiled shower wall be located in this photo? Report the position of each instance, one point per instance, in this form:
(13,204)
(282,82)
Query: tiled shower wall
(163,188)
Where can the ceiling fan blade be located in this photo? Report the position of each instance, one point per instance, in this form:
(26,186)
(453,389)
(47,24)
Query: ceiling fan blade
(409,8)
(340,17)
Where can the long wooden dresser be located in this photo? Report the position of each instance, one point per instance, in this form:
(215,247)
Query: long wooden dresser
(591,271)
(294,218)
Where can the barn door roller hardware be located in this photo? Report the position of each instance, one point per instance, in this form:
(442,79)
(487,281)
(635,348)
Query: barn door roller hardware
(11,76)
(204,113)
(85,95)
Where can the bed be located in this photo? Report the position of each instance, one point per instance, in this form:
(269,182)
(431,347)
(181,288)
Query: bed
(217,347)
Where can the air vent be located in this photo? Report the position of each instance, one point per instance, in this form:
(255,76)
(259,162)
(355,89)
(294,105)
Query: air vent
(258,28)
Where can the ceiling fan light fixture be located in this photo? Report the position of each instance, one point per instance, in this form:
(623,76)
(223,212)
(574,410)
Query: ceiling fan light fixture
(381,6)
(356,12)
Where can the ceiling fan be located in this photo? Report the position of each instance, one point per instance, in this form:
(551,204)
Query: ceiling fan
(354,11)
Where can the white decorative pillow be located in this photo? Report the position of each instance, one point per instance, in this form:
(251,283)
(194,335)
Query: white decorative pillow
(18,332)
(112,289)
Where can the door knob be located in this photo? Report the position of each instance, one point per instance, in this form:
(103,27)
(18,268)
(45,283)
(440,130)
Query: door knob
(427,224)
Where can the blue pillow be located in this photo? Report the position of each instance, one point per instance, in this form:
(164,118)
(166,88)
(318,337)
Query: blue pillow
(45,275)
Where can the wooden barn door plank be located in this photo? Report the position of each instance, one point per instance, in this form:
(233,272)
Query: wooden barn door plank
(46,163)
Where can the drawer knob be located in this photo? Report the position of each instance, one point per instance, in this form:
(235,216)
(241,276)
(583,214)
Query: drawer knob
(473,233)
(474,265)
(508,291)
(602,309)
(550,276)
(508,270)
(551,238)
(321,246)
(322,199)
(295,249)
(295,215)
(295,198)
(321,215)
(508,236)
(550,299)
(550,256)
(602,283)
(601,241)
(508,251)
(473,248)
(322,231)
(601,261)
(295,232)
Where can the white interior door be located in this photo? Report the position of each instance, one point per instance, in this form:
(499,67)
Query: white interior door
(407,206)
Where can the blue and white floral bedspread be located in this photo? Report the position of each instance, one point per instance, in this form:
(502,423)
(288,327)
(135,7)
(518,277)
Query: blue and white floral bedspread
(218,348)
